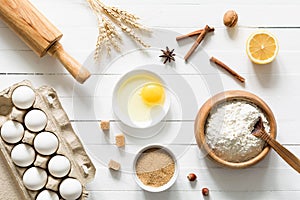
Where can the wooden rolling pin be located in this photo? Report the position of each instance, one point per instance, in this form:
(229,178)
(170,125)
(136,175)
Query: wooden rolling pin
(39,34)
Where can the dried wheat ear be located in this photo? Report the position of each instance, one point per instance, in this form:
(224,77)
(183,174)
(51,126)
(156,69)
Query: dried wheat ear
(108,19)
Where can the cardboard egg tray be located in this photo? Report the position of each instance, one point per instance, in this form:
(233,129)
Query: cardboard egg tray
(82,169)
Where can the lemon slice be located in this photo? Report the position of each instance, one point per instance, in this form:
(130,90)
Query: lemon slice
(262,47)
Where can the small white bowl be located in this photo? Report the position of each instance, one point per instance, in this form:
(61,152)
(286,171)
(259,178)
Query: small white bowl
(123,116)
(163,187)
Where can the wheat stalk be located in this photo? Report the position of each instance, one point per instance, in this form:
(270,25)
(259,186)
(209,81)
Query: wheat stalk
(108,19)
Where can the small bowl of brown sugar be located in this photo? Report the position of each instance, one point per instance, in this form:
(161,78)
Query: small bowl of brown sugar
(155,168)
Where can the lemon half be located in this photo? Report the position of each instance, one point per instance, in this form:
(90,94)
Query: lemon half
(262,47)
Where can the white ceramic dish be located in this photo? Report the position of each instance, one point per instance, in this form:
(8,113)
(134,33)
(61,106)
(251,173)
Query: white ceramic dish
(163,187)
(120,105)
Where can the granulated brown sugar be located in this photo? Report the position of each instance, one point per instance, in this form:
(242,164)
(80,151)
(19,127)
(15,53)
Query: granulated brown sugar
(155,167)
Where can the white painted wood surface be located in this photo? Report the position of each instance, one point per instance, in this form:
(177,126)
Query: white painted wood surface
(277,83)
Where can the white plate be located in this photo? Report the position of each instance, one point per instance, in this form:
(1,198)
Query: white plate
(120,99)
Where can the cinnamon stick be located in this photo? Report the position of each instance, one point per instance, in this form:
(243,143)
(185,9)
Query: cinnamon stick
(197,42)
(228,69)
(197,32)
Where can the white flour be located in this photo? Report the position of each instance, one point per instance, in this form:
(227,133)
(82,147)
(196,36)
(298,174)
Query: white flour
(228,131)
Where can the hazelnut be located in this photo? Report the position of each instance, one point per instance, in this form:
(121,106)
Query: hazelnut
(230,18)
(192,177)
(205,191)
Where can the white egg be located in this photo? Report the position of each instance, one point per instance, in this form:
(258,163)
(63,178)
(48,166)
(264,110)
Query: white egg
(35,178)
(59,166)
(70,189)
(45,143)
(47,195)
(35,120)
(12,131)
(23,155)
(23,97)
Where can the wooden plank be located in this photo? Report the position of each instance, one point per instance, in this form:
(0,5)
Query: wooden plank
(170,2)
(173,133)
(268,85)
(262,85)
(194,14)
(196,194)
(16,57)
(176,132)
(270,174)
(188,156)
(222,39)
(263,179)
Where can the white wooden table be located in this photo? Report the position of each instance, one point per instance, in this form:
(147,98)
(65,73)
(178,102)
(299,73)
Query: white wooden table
(277,83)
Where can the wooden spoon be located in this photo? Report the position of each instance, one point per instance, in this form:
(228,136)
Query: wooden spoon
(291,159)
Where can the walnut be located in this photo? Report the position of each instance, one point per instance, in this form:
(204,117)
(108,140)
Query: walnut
(230,18)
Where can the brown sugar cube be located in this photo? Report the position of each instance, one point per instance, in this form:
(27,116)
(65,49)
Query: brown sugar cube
(120,140)
(114,165)
(105,125)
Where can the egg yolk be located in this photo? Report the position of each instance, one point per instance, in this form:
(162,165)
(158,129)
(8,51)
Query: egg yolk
(152,94)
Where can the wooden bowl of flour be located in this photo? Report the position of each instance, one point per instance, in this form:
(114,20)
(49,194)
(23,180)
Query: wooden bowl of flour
(220,99)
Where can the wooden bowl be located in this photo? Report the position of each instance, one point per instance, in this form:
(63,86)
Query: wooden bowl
(203,114)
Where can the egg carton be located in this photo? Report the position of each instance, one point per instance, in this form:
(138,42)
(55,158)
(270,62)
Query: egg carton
(69,146)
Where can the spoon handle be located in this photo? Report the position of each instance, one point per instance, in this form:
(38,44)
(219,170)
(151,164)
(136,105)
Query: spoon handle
(289,157)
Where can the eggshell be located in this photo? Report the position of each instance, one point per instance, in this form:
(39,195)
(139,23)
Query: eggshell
(23,97)
(12,131)
(35,120)
(70,188)
(45,143)
(35,178)
(47,195)
(59,166)
(23,155)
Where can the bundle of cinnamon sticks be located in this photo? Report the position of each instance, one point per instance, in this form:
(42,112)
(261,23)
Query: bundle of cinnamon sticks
(201,35)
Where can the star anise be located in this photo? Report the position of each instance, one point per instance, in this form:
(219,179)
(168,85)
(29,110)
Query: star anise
(168,55)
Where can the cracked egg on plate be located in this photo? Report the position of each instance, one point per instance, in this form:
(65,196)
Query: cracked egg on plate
(141,99)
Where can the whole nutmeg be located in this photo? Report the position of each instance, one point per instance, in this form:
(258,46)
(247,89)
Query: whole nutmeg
(230,18)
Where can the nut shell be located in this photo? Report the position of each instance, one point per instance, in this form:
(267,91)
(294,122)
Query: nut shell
(230,18)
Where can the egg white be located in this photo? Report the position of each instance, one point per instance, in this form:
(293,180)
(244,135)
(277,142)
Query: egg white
(131,104)
(139,112)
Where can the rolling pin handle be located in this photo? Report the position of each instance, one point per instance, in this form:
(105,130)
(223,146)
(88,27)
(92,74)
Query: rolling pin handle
(79,72)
